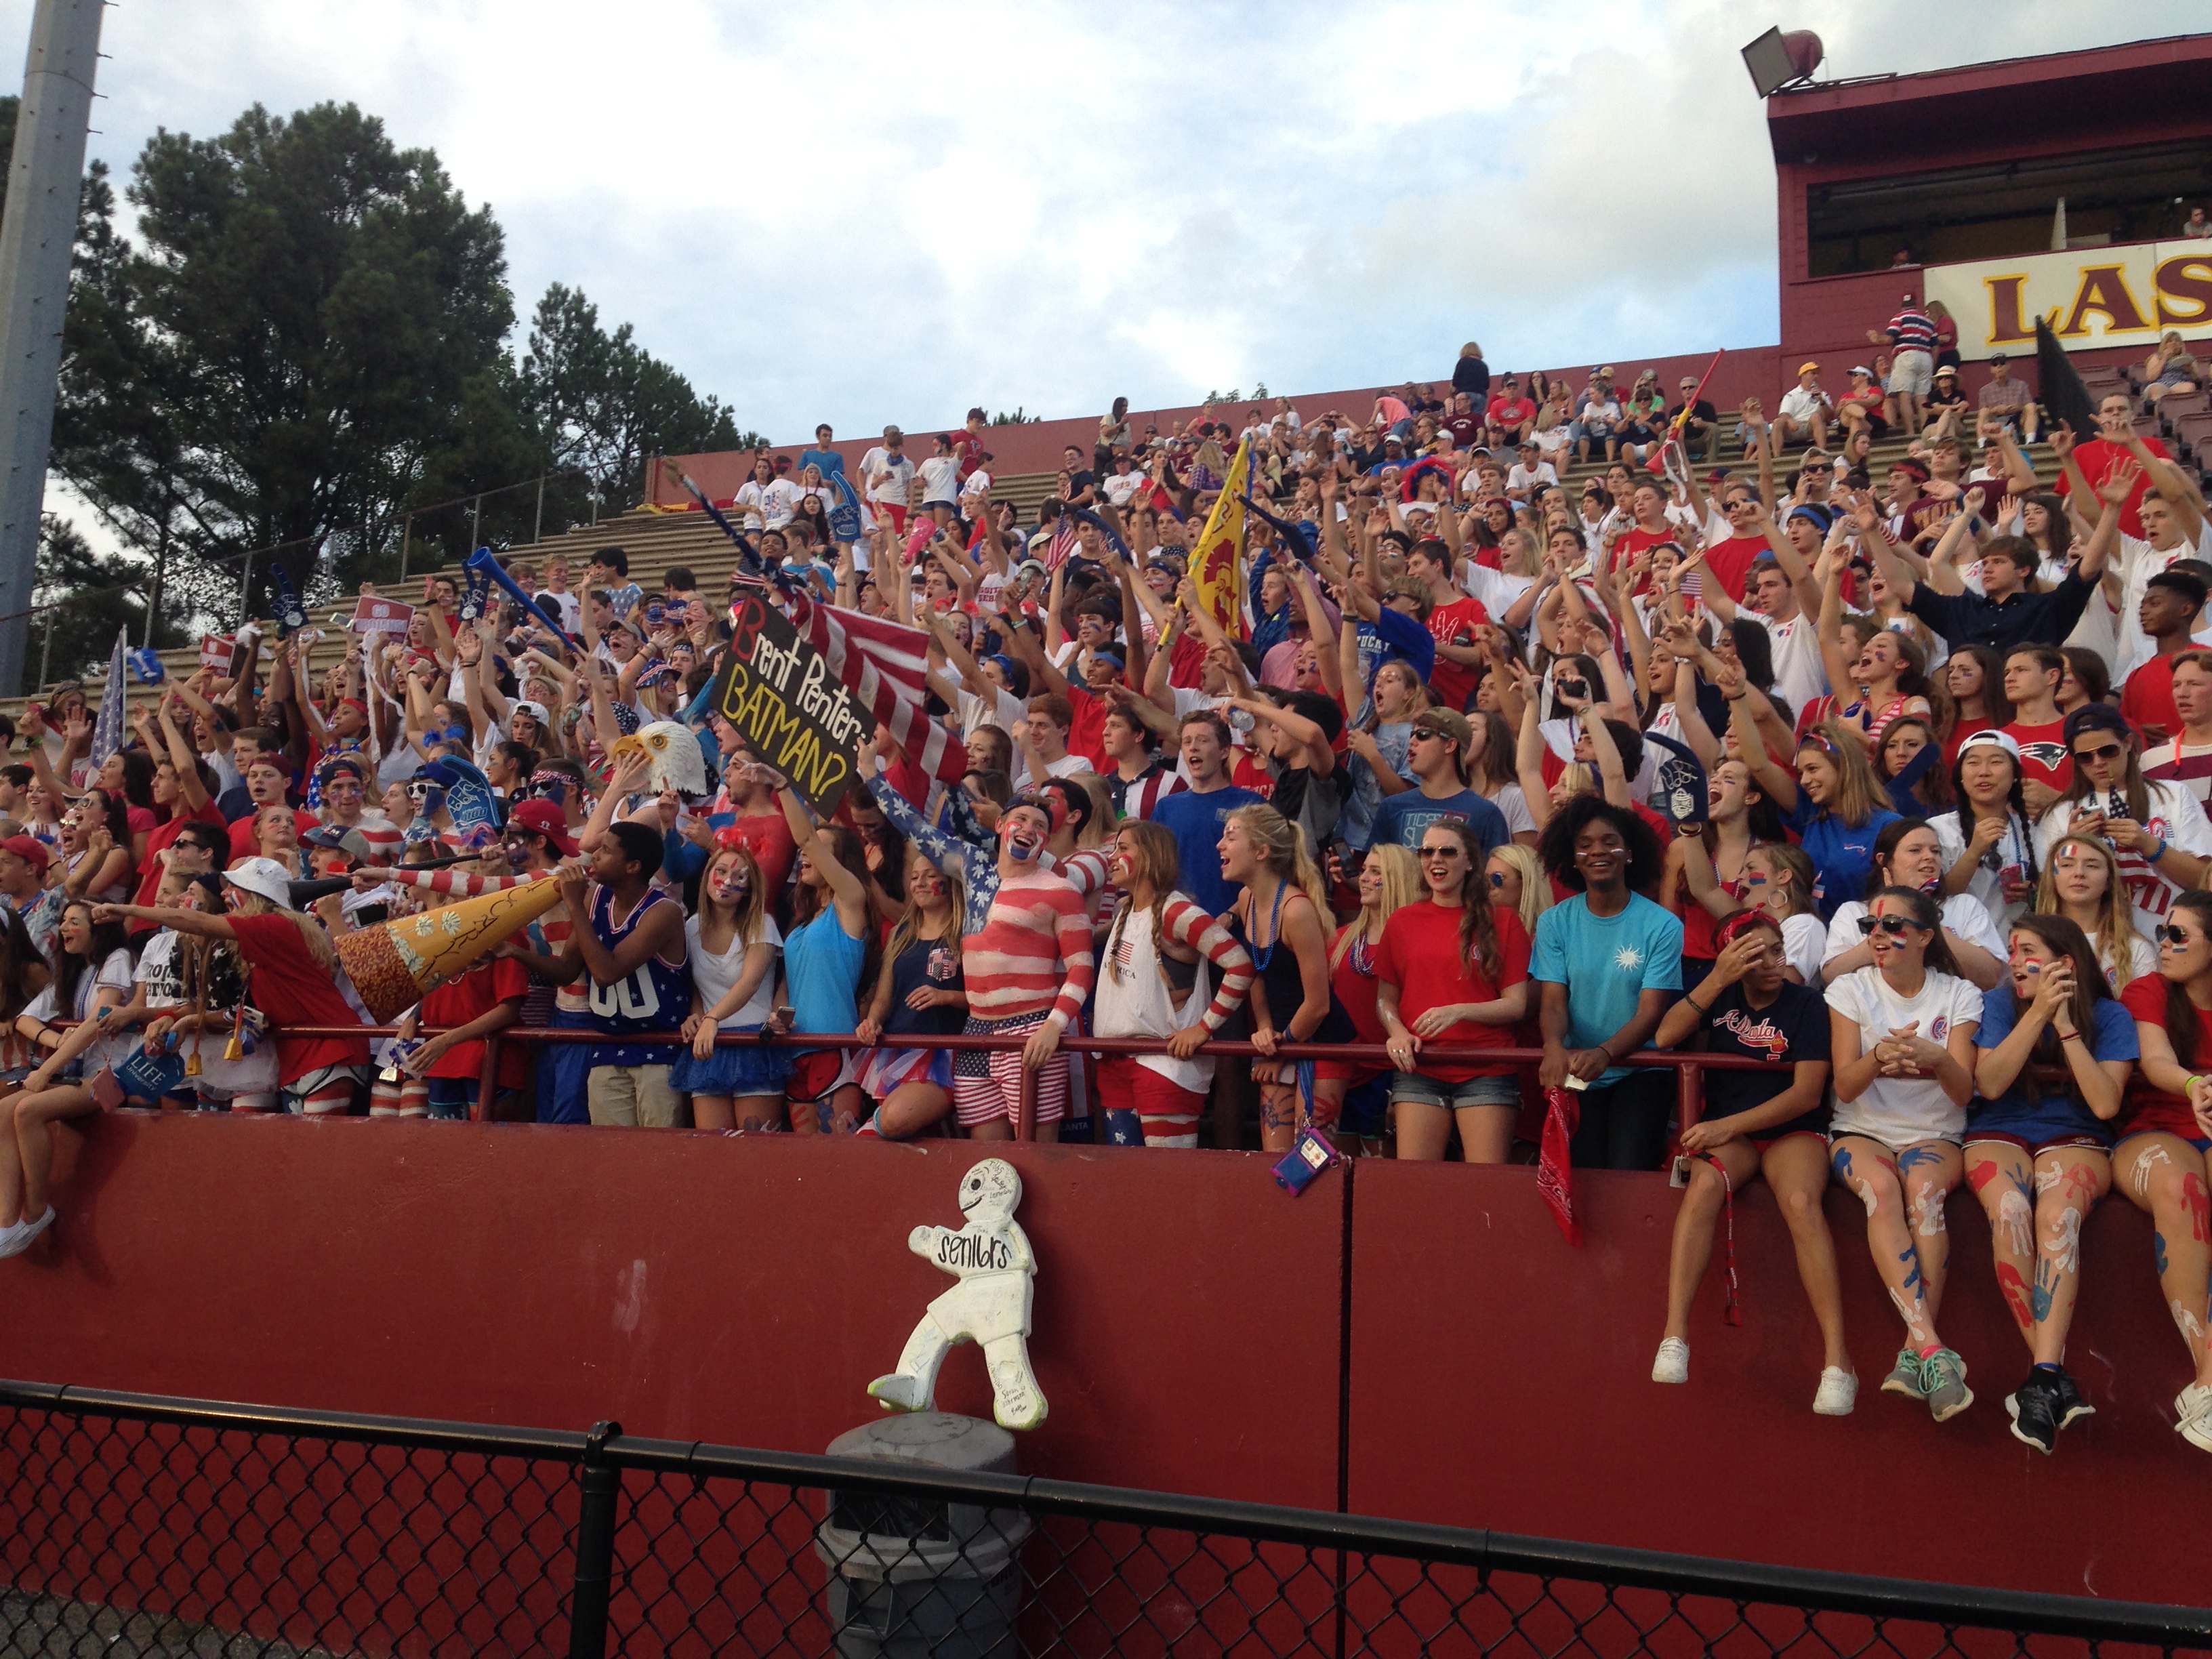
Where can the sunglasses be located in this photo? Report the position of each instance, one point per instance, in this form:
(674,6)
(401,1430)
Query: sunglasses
(1443,851)
(2110,752)
(1893,925)
(2169,934)
(1425,731)
(420,789)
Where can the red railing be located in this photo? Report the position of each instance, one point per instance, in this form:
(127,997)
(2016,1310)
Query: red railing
(1689,1068)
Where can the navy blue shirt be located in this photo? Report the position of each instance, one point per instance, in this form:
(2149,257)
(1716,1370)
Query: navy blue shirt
(1405,818)
(1195,822)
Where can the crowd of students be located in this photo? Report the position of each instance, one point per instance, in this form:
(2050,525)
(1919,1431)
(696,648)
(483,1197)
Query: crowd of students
(1477,764)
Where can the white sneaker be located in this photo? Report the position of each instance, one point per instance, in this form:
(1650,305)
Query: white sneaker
(15,1240)
(1672,1364)
(1839,1393)
(2194,1406)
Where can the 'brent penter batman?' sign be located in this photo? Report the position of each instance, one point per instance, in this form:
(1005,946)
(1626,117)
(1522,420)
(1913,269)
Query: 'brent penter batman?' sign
(793,711)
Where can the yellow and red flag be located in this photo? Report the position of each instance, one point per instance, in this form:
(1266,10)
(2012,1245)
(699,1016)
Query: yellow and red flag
(1217,565)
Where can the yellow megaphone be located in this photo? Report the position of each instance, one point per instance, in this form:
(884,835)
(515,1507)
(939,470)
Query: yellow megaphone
(394,964)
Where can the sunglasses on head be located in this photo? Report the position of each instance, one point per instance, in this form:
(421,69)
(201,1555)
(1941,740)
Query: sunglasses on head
(2167,934)
(1893,925)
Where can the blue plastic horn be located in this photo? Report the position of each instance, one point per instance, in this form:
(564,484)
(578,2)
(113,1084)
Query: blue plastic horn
(481,560)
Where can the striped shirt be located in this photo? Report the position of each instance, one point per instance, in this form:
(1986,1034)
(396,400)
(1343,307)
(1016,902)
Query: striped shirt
(1191,927)
(1033,954)
(1912,329)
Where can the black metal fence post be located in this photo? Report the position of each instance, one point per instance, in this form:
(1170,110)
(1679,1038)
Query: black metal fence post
(595,1545)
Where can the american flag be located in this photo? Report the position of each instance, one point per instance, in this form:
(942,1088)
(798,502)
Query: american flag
(107,730)
(1062,543)
(884,663)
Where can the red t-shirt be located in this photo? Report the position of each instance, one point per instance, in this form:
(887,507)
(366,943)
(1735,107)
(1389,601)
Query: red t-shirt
(2097,458)
(289,984)
(1503,412)
(768,838)
(2147,696)
(2042,753)
(149,872)
(1452,684)
(1420,954)
(1730,561)
(473,994)
(1086,732)
(242,843)
(2143,1107)
(1356,991)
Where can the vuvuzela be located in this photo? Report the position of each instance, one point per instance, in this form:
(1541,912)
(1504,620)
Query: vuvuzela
(395,963)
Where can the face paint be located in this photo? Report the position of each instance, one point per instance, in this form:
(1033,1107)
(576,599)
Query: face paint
(730,881)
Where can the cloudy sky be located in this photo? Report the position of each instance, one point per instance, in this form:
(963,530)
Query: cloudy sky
(912,209)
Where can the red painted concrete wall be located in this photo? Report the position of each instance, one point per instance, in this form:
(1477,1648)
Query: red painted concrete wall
(1528,1364)
(687,1285)
(744,1290)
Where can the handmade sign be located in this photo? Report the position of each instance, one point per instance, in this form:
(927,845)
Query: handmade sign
(228,657)
(374,616)
(788,704)
(990,1256)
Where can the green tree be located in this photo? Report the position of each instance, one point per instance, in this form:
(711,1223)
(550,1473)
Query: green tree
(83,597)
(299,338)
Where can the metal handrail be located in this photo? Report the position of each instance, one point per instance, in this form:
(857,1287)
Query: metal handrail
(1689,1067)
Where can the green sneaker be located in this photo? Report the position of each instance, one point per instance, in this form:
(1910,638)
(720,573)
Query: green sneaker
(1943,1382)
(1905,1376)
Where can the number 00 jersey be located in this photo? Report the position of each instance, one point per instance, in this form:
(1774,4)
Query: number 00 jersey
(653,996)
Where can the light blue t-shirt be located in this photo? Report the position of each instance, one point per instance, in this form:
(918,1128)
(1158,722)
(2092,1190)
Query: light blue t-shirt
(1607,963)
(821,969)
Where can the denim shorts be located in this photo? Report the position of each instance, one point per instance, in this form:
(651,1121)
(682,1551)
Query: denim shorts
(1423,1091)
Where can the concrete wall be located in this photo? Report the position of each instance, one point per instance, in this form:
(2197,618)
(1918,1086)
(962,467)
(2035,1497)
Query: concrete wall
(1190,1331)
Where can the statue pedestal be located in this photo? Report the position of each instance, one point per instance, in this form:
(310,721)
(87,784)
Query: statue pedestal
(912,1576)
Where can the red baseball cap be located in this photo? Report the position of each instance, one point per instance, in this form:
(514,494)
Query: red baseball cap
(28,848)
(548,821)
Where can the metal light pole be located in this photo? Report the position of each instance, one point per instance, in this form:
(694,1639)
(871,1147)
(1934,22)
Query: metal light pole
(44,183)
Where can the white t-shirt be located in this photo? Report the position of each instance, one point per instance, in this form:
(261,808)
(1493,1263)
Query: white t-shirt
(117,973)
(1987,887)
(768,506)
(158,971)
(2137,563)
(941,480)
(714,976)
(1510,801)
(888,475)
(1799,674)
(1805,945)
(1520,480)
(1963,914)
(2174,814)
(1498,591)
(1899,1111)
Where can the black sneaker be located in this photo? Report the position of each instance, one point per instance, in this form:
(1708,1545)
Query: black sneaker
(2070,1407)
(2033,1407)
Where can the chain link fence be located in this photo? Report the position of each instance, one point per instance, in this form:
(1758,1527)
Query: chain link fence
(131,1525)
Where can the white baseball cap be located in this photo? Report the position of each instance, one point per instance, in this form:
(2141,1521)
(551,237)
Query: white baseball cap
(266,877)
(535,710)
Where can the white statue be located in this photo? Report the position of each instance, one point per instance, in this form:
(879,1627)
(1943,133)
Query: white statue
(990,1256)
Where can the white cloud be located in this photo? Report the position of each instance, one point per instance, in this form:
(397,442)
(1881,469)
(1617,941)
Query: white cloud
(888,212)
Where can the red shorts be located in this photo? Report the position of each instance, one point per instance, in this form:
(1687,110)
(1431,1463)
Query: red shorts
(898,513)
(1761,1143)
(1168,1111)
(816,1075)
